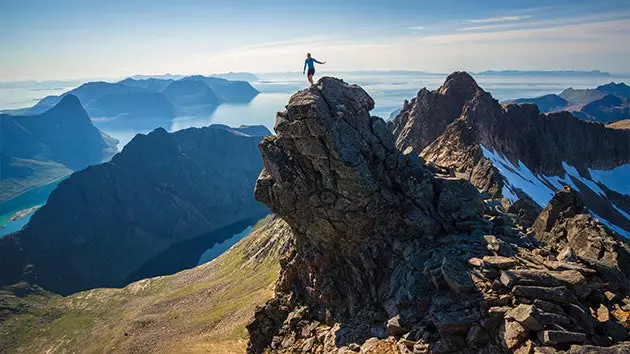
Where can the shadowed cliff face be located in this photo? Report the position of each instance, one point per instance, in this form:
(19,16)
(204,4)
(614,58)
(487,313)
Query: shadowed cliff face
(387,257)
(435,121)
(459,124)
(105,222)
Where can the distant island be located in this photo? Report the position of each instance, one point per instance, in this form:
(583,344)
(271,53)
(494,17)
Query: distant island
(592,73)
(232,76)
(605,104)
(150,101)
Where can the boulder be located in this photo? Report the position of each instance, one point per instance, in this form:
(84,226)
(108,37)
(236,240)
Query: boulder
(558,294)
(557,338)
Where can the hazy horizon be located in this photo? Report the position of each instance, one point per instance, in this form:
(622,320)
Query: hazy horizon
(623,75)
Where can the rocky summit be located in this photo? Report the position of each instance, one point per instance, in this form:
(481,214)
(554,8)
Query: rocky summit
(514,151)
(389,256)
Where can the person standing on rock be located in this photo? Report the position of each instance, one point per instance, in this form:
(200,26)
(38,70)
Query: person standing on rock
(310,62)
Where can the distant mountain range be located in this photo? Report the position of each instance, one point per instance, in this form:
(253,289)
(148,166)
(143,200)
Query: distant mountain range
(39,148)
(103,225)
(605,104)
(232,76)
(155,99)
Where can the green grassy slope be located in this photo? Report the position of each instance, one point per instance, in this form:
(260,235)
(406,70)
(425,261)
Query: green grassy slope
(193,311)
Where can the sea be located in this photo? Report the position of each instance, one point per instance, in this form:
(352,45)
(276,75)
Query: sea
(388,89)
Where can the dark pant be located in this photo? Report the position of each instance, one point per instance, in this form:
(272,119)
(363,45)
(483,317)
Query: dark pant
(311,72)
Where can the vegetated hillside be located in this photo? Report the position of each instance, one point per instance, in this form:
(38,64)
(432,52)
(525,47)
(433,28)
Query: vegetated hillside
(201,310)
(37,149)
(390,257)
(514,151)
(104,223)
(581,96)
(622,124)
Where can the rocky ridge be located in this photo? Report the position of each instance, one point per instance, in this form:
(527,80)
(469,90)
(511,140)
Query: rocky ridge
(388,257)
(457,126)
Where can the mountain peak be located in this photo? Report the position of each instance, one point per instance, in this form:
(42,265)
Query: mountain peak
(461,84)
(384,250)
(68,103)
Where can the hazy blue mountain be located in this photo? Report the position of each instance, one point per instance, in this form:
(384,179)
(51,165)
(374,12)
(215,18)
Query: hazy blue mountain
(150,99)
(620,89)
(581,96)
(228,91)
(546,103)
(86,93)
(604,104)
(36,149)
(607,109)
(105,224)
(132,104)
(238,76)
(192,97)
(151,84)
(160,77)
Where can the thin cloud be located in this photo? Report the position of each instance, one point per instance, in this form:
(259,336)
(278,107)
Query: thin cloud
(419,28)
(500,19)
(548,23)
(561,33)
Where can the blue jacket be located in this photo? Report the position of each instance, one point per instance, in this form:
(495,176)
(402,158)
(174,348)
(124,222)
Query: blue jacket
(310,63)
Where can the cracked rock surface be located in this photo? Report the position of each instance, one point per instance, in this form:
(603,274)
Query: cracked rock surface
(387,257)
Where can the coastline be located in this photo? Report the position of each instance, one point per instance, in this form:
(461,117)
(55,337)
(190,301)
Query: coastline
(22,213)
(35,187)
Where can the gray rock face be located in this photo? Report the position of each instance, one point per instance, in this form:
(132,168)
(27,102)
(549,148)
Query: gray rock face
(383,247)
(449,126)
(566,223)
(105,222)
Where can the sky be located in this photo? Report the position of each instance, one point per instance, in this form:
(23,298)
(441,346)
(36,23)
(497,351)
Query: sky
(74,39)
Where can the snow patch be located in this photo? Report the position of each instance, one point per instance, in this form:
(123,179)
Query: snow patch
(520,177)
(539,187)
(611,226)
(617,179)
(573,172)
(508,194)
(621,211)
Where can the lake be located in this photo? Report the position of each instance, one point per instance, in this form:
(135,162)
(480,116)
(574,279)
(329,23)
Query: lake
(389,91)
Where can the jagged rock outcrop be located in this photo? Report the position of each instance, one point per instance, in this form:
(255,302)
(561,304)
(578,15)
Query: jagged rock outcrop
(104,223)
(459,125)
(566,224)
(387,257)
(520,132)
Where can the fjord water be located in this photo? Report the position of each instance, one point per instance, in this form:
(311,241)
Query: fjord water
(389,90)
(34,197)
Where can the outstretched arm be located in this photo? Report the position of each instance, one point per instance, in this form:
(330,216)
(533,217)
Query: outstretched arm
(304,70)
(319,62)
